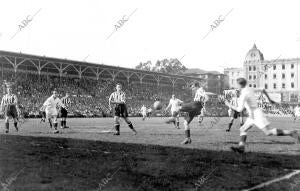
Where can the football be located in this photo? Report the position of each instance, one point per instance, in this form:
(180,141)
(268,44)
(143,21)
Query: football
(157,105)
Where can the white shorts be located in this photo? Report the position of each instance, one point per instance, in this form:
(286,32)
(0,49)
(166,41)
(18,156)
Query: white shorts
(144,114)
(258,118)
(51,112)
(297,114)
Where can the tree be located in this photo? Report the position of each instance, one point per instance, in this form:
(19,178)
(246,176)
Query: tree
(172,66)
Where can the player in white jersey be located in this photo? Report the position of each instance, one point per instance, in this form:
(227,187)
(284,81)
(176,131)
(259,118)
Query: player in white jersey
(174,105)
(296,112)
(52,105)
(203,98)
(256,116)
(9,105)
(232,113)
(144,112)
(192,109)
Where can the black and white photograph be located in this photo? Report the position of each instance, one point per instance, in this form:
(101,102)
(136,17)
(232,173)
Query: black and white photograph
(149,95)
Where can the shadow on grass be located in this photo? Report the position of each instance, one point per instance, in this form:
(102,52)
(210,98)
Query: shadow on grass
(73,164)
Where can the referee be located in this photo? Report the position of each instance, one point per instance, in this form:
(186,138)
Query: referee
(118,98)
(64,110)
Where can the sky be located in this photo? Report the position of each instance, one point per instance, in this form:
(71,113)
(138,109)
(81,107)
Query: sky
(209,35)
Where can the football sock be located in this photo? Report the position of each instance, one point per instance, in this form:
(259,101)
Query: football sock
(188,133)
(130,125)
(117,127)
(55,126)
(6,126)
(177,124)
(16,125)
(61,123)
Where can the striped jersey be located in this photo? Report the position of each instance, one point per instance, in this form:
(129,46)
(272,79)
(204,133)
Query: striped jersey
(66,101)
(200,95)
(118,97)
(9,99)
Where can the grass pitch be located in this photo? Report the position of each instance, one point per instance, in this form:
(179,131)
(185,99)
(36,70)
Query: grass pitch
(83,158)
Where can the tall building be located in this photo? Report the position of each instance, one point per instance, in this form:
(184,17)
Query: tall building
(280,77)
(233,74)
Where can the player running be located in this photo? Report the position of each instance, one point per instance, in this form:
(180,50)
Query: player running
(52,104)
(232,113)
(256,116)
(296,112)
(120,110)
(192,109)
(64,110)
(174,105)
(9,105)
(144,112)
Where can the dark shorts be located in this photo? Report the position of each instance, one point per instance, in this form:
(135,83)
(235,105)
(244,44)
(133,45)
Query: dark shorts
(64,112)
(11,111)
(121,110)
(237,114)
(191,109)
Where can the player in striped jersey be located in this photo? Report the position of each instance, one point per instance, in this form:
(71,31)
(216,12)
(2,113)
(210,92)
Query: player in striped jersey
(118,98)
(9,105)
(192,109)
(64,110)
(232,113)
(52,104)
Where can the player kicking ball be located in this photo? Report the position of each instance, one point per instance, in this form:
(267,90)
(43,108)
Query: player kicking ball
(256,116)
(9,105)
(52,104)
(192,109)
(118,98)
(174,105)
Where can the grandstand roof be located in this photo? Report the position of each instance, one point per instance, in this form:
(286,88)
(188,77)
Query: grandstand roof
(19,62)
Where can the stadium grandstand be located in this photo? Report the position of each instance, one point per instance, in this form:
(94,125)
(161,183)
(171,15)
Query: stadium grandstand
(90,84)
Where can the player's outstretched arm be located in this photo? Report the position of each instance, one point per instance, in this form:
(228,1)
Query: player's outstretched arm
(268,97)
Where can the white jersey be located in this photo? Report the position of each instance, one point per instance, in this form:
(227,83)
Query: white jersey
(297,111)
(144,110)
(175,103)
(52,103)
(247,100)
(200,95)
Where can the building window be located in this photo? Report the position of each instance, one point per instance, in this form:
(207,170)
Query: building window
(274,67)
(250,77)
(292,66)
(250,85)
(266,76)
(283,66)
(292,85)
(283,76)
(232,73)
(231,81)
(274,76)
(254,77)
(292,75)
(249,68)
(274,86)
(283,85)
(254,85)
(266,86)
(254,68)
